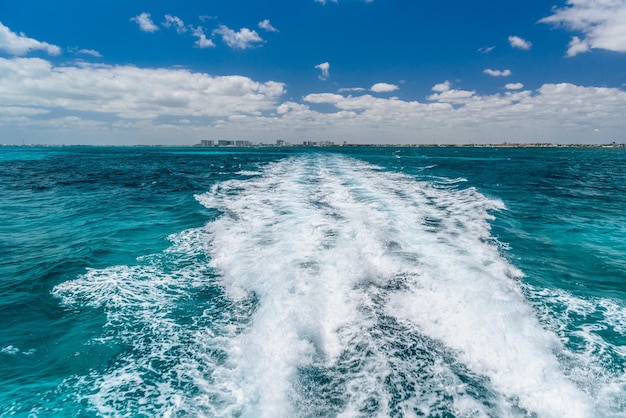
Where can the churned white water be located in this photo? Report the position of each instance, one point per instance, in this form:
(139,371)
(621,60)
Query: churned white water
(328,287)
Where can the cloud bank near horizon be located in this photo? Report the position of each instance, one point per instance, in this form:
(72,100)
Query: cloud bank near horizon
(95,103)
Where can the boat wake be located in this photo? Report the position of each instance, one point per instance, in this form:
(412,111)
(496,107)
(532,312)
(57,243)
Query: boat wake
(328,287)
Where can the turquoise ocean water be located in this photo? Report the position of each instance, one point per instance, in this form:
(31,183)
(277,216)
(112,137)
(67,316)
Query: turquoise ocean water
(295,282)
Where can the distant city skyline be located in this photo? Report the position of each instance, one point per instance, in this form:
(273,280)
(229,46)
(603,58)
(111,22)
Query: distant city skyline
(359,71)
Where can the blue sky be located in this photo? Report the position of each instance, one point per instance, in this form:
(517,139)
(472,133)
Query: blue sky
(377,71)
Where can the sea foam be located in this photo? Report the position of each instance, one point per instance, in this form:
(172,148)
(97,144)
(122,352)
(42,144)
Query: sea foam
(328,287)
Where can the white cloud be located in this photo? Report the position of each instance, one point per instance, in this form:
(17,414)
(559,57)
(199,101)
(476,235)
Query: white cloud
(203,41)
(451,96)
(445,94)
(329,98)
(91,52)
(577,46)
(554,113)
(243,39)
(266,25)
(145,22)
(175,22)
(21,111)
(441,87)
(19,44)
(351,89)
(383,88)
(602,22)
(486,49)
(497,73)
(514,86)
(324,68)
(130,105)
(519,43)
(131,92)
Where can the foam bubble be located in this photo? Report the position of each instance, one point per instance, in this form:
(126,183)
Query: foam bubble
(10,350)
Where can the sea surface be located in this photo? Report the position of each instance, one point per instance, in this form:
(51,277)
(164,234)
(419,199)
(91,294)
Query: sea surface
(310,282)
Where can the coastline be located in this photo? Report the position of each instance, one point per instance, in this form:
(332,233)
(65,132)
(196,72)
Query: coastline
(313,145)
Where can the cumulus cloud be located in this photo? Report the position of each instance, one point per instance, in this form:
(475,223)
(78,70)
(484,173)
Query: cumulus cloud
(497,73)
(324,68)
(202,41)
(553,113)
(130,92)
(91,52)
(266,25)
(514,86)
(451,96)
(577,46)
(243,39)
(19,44)
(351,89)
(519,43)
(145,22)
(446,94)
(164,105)
(175,22)
(442,87)
(383,88)
(602,22)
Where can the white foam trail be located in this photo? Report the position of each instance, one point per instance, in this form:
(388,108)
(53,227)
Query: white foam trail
(308,233)
(343,290)
(275,243)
